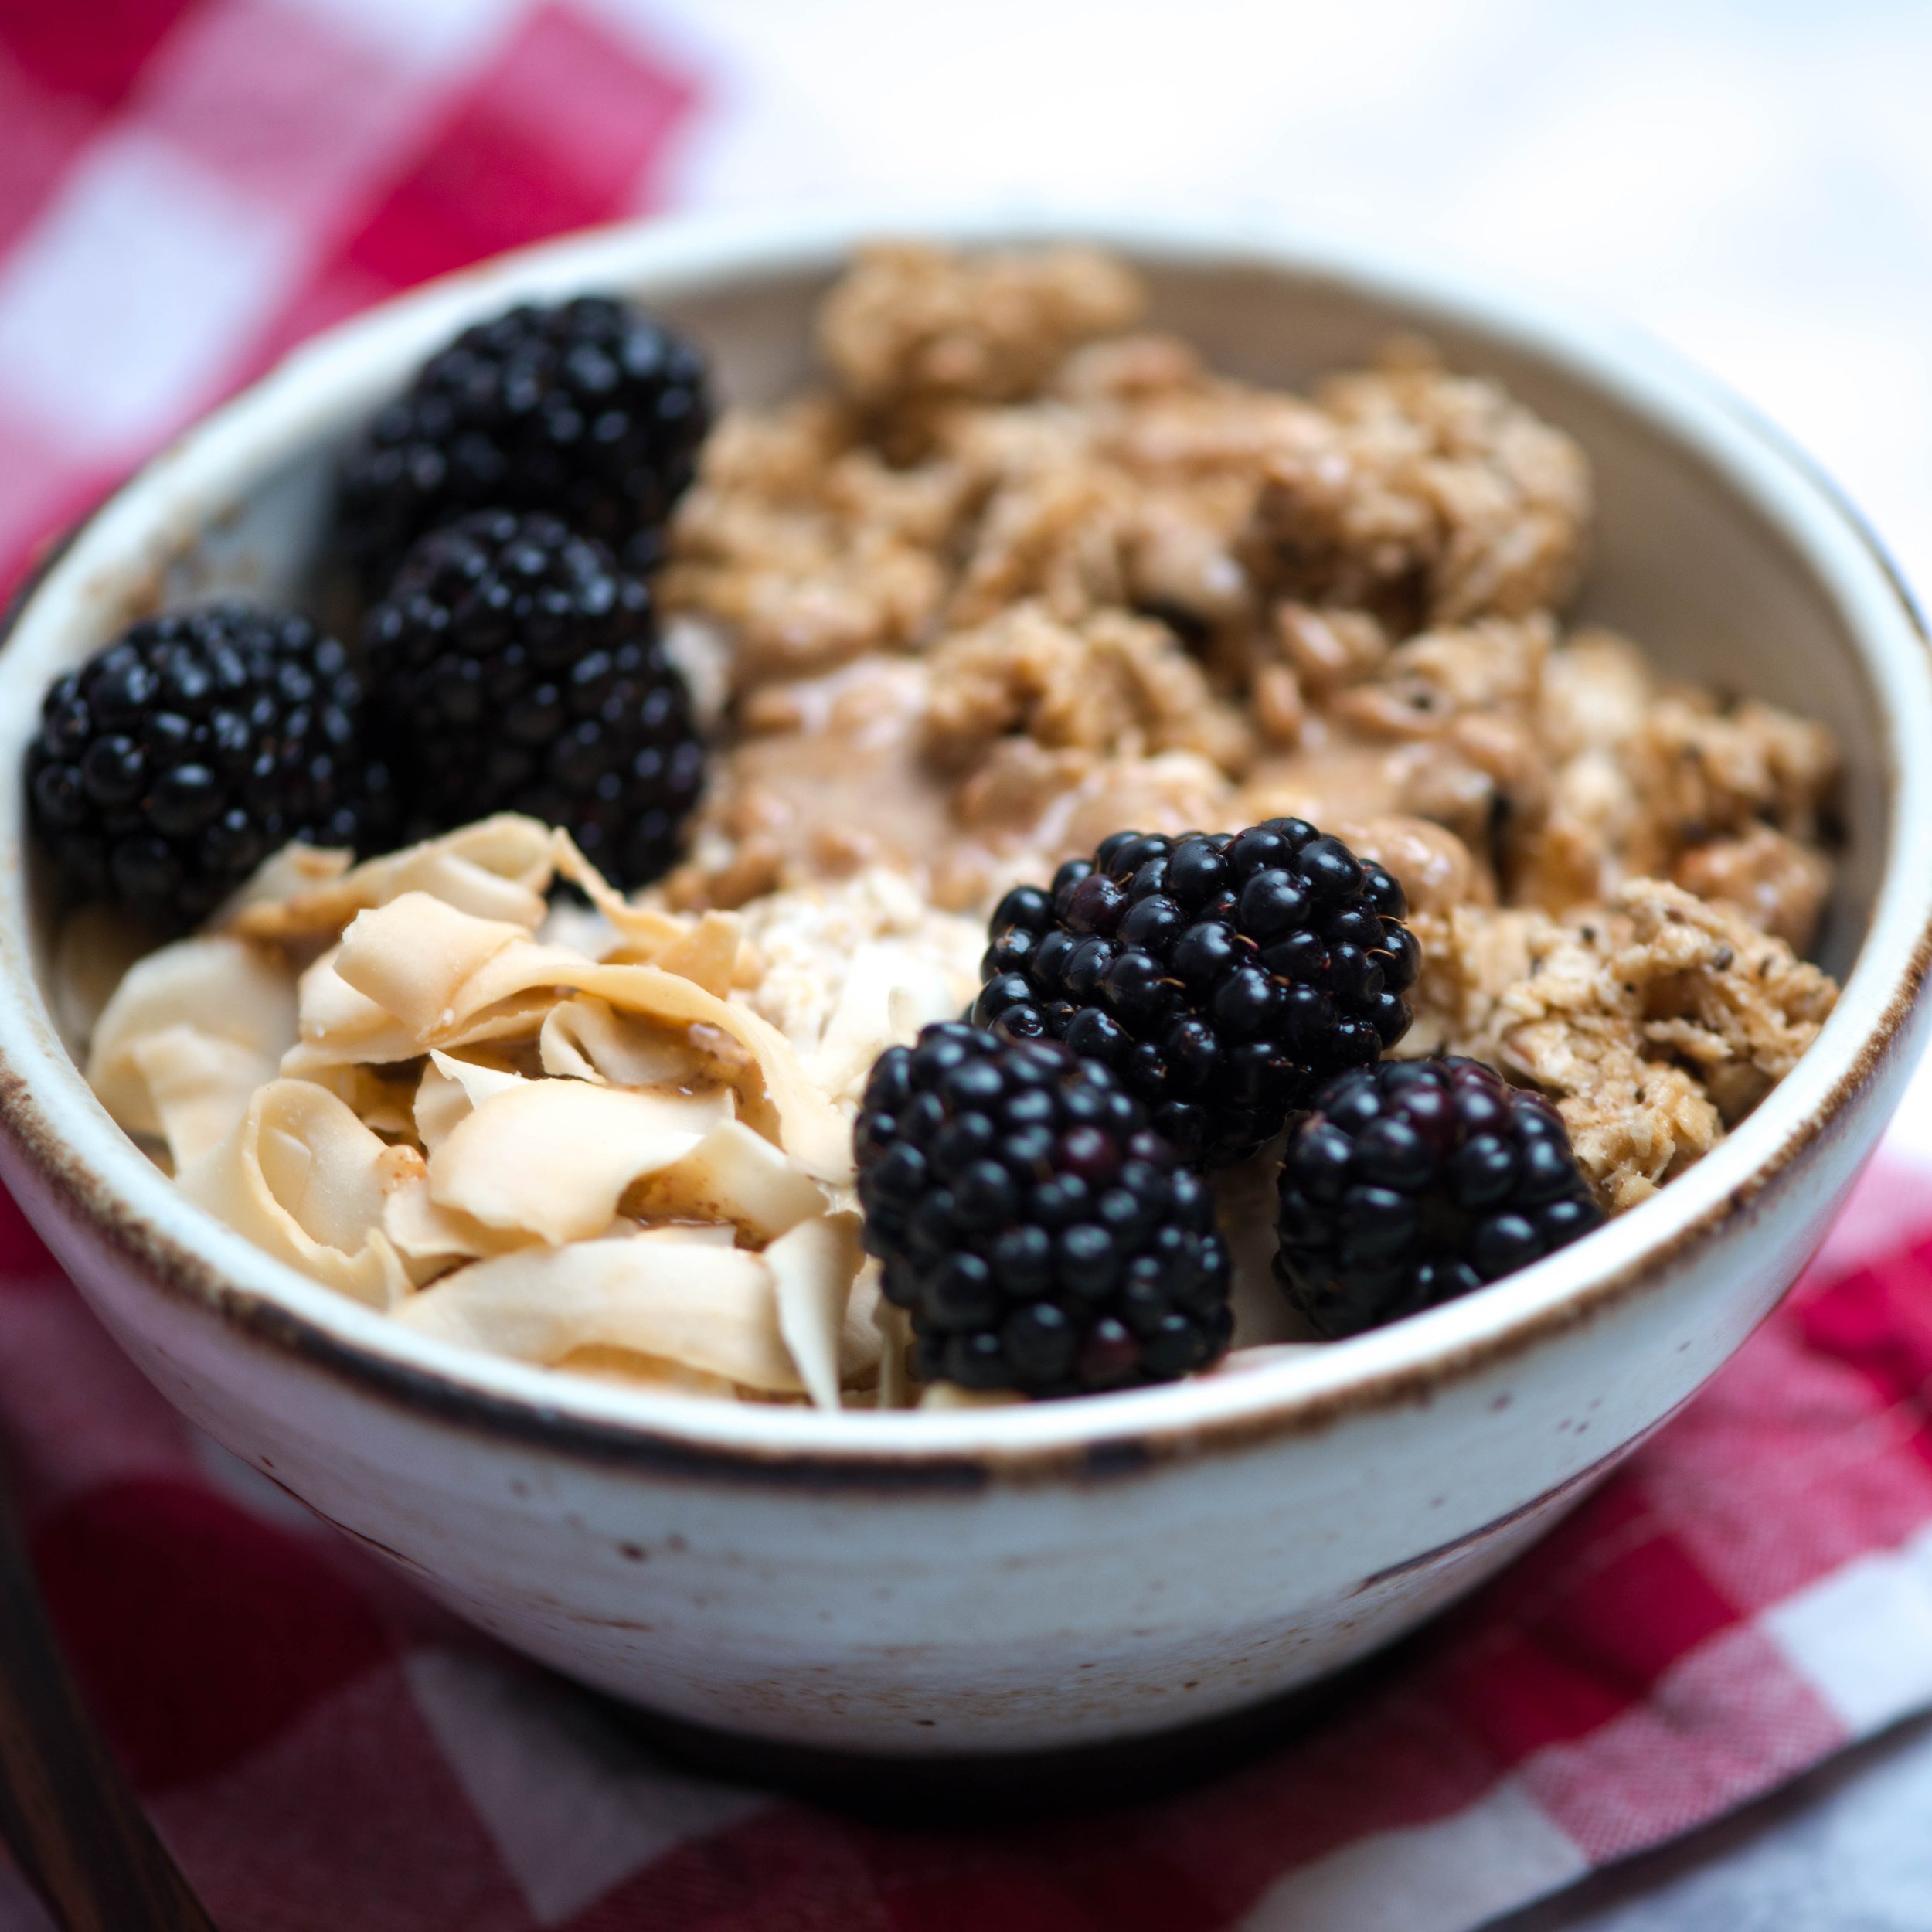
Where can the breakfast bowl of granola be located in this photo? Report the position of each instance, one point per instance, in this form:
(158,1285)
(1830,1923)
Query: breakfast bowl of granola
(955,995)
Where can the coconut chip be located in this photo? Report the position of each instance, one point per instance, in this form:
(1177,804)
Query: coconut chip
(812,1269)
(554,1157)
(303,1179)
(588,1040)
(498,868)
(449,1091)
(188,1035)
(712,1308)
(412,956)
(432,1239)
(733,1179)
(197,1087)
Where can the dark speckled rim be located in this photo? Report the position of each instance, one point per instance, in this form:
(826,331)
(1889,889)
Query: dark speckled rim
(89,1189)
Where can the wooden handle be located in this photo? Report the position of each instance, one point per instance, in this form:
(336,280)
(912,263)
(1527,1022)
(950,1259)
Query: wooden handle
(68,1815)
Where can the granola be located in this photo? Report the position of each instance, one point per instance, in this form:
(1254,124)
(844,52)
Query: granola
(1655,1022)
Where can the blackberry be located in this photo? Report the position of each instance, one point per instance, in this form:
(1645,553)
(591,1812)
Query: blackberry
(1223,976)
(178,757)
(1415,1181)
(1043,1238)
(589,409)
(513,667)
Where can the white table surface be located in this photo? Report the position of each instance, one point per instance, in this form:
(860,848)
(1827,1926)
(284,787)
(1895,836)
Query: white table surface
(1847,1848)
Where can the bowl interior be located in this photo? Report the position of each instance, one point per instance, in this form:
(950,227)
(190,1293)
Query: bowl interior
(1702,551)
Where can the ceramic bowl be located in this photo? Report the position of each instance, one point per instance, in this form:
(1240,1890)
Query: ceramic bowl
(1068,1572)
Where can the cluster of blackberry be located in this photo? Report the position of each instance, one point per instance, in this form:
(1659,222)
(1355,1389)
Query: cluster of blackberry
(1415,1181)
(501,515)
(519,671)
(588,411)
(173,762)
(1042,1237)
(1032,1179)
(1217,975)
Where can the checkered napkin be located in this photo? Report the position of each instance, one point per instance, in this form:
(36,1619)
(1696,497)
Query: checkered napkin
(325,1749)
(187,187)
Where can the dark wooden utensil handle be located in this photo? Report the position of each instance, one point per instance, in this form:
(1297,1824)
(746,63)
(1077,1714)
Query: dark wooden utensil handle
(69,1819)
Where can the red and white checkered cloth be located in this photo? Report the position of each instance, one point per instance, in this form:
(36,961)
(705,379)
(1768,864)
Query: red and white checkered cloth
(188,186)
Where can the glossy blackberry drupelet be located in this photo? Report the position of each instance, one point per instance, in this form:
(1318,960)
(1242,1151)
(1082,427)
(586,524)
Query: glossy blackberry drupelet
(177,759)
(513,667)
(588,409)
(1415,1181)
(1223,976)
(1042,1237)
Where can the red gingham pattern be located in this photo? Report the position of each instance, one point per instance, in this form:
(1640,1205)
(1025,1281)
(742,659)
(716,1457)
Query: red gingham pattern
(322,1747)
(187,187)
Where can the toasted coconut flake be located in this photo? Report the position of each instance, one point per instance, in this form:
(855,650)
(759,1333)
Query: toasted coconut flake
(812,1269)
(811,1129)
(295,871)
(645,930)
(199,1085)
(302,1177)
(498,868)
(860,1347)
(717,1235)
(432,1238)
(708,954)
(704,950)
(654,1372)
(381,1097)
(554,1157)
(97,948)
(890,992)
(441,1101)
(586,1039)
(222,988)
(479,1082)
(413,955)
(517,1019)
(340,1025)
(734,1177)
(950,1395)
(894,1328)
(711,1308)
(526,966)
(450,1090)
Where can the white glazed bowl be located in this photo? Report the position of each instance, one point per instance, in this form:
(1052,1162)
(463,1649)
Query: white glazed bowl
(1069,1573)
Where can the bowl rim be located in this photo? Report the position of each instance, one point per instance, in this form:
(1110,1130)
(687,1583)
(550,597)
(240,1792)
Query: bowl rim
(56,1128)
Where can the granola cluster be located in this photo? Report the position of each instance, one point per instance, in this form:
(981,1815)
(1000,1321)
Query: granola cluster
(1655,1022)
(1024,572)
